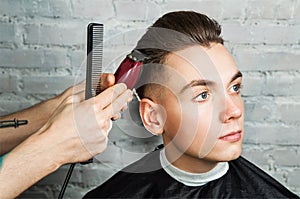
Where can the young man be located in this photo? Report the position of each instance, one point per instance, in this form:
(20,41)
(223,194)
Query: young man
(190,94)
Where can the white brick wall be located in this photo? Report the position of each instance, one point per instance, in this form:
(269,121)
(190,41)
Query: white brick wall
(42,49)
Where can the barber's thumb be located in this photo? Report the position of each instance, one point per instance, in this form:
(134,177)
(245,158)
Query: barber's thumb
(106,80)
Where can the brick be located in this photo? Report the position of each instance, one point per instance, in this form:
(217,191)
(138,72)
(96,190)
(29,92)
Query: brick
(233,12)
(288,112)
(251,154)
(271,134)
(253,84)
(126,11)
(269,9)
(258,111)
(276,33)
(47,85)
(112,39)
(8,106)
(294,177)
(130,10)
(103,9)
(6,7)
(286,157)
(60,8)
(294,87)
(59,34)
(7,32)
(8,83)
(36,8)
(78,59)
(33,8)
(213,9)
(296,12)
(153,10)
(46,8)
(21,58)
(29,58)
(114,56)
(132,36)
(260,32)
(261,9)
(278,84)
(285,9)
(235,32)
(262,59)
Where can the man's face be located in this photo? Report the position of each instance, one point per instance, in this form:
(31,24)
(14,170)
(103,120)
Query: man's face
(205,114)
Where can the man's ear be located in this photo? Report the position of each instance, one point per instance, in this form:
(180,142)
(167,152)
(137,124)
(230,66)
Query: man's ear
(153,116)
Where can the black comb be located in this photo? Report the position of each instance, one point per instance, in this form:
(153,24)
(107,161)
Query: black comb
(94,59)
(94,62)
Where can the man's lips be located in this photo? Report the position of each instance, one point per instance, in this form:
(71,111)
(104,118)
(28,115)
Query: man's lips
(232,137)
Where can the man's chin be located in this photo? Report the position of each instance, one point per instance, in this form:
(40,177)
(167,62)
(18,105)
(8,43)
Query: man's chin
(224,156)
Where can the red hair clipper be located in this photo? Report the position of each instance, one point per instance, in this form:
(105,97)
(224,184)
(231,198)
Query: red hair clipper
(130,69)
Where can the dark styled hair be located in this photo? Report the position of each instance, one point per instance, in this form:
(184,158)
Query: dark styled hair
(175,31)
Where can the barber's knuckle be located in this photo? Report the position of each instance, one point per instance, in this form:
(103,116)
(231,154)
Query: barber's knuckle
(69,99)
(120,86)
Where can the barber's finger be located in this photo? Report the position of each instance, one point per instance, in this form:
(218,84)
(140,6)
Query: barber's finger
(118,115)
(117,104)
(109,95)
(106,80)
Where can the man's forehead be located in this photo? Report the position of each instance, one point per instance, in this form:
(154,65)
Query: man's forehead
(193,63)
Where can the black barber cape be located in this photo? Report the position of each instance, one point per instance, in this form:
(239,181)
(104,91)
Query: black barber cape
(242,180)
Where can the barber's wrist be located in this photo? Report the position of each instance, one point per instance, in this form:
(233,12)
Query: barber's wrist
(48,148)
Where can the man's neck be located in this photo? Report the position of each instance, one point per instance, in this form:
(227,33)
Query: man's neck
(188,162)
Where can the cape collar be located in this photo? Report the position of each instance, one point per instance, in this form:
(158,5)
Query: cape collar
(192,179)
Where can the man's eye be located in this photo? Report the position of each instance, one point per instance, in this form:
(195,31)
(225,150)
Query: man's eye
(236,88)
(201,97)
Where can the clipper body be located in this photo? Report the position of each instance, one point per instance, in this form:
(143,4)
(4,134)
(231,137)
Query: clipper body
(130,69)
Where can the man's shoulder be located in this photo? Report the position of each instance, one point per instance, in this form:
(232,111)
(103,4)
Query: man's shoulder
(133,180)
(252,179)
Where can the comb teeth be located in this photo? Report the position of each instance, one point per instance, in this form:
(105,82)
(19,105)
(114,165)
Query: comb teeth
(94,59)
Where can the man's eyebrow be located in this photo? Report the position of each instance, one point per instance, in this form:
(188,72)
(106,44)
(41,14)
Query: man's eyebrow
(237,75)
(200,82)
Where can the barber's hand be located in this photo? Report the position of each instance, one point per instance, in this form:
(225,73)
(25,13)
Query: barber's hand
(79,128)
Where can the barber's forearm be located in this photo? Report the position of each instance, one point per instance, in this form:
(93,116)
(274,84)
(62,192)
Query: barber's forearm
(36,115)
(26,165)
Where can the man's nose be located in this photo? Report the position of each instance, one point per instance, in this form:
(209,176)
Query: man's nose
(232,108)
